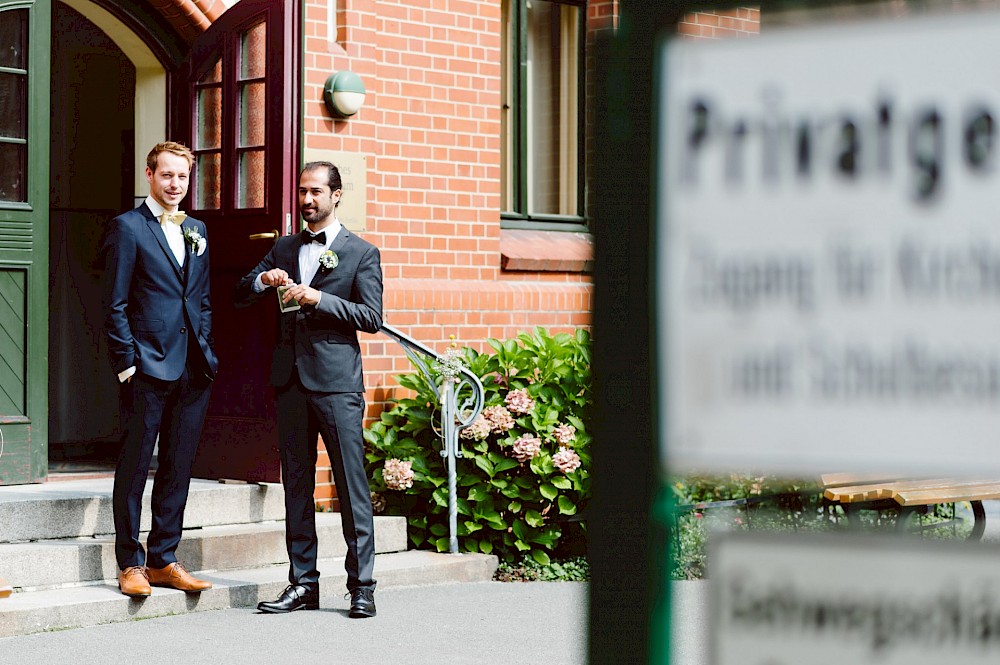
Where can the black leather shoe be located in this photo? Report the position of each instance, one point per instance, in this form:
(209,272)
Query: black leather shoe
(294,597)
(362,603)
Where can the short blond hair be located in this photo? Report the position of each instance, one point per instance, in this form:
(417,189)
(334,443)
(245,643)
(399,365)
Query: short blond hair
(178,149)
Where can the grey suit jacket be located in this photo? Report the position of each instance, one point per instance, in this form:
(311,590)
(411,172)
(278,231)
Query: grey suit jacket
(322,341)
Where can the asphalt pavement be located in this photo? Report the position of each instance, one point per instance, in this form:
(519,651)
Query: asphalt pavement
(485,623)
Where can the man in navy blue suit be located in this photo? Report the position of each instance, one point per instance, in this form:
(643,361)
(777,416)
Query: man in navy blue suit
(159,332)
(336,277)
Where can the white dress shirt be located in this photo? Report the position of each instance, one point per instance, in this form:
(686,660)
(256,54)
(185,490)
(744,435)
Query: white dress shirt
(173,232)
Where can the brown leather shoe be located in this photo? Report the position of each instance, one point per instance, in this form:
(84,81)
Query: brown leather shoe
(174,575)
(133,582)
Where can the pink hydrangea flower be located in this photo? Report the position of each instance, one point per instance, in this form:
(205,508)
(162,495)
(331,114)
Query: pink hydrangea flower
(398,475)
(518,401)
(526,447)
(566,460)
(499,418)
(478,430)
(564,434)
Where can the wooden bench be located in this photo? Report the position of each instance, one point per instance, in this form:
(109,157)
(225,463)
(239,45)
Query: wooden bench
(910,495)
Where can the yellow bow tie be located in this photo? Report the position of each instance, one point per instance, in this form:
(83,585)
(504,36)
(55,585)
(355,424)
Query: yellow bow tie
(176,217)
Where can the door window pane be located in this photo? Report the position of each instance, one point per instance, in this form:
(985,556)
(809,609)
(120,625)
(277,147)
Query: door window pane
(14,39)
(253,110)
(213,75)
(209,118)
(251,188)
(13,167)
(253,52)
(208,181)
(13,105)
(208,139)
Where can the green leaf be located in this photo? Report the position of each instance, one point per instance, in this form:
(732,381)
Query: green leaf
(548,491)
(440,496)
(511,492)
(472,526)
(521,530)
(514,506)
(478,493)
(439,529)
(548,536)
(562,482)
(566,507)
(540,557)
(534,518)
(521,545)
(442,544)
(485,465)
(485,546)
(505,464)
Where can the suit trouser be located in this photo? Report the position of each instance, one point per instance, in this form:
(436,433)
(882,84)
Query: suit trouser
(176,411)
(338,418)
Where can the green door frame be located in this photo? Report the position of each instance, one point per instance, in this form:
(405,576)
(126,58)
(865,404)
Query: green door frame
(24,272)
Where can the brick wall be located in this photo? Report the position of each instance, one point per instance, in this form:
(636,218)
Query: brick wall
(430,128)
(739,22)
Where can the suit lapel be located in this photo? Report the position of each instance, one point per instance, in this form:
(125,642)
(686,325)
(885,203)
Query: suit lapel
(154,227)
(336,247)
(291,258)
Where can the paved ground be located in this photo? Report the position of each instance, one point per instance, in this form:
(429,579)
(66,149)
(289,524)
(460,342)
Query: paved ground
(487,623)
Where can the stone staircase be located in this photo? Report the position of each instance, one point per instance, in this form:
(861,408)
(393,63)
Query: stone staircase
(57,551)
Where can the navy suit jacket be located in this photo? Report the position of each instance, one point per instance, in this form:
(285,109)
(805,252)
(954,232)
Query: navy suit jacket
(152,303)
(322,341)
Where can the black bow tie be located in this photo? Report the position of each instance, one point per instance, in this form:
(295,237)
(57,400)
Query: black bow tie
(308,237)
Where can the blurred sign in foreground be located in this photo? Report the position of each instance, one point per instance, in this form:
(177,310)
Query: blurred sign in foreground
(877,602)
(828,234)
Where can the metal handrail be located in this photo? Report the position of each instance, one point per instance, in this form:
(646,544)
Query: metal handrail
(455,416)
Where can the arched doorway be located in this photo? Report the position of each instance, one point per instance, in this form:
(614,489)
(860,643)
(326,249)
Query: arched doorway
(232,93)
(104,100)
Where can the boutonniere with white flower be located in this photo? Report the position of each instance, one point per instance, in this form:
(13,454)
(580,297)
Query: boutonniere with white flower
(195,240)
(328,260)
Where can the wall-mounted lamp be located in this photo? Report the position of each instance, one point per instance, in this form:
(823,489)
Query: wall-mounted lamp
(344,93)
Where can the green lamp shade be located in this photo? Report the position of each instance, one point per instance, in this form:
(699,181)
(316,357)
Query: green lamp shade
(344,93)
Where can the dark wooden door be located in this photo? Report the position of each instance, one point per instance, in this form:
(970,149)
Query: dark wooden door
(236,109)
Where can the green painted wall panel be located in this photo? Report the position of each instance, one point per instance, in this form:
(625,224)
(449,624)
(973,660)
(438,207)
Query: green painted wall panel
(12,343)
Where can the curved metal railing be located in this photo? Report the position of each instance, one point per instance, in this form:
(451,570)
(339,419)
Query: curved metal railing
(461,402)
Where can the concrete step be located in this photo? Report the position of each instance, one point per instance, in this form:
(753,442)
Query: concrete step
(44,564)
(82,508)
(58,609)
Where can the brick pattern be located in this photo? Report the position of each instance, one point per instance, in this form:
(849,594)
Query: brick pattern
(739,22)
(430,127)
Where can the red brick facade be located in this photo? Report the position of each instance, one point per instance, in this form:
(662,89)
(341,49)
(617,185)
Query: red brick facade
(430,130)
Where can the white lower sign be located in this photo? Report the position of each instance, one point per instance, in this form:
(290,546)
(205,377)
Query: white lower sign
(864,601)
(828,238)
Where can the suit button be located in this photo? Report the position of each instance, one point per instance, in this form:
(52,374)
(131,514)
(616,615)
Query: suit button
(183,330)
(185,298)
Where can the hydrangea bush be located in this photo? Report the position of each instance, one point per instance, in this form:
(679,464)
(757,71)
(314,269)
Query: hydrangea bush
(524,474)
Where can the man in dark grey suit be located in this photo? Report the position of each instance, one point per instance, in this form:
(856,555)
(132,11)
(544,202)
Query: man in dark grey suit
(336,278)
(159,332)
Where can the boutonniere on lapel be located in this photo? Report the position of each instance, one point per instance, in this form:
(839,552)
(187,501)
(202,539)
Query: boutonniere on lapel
(328,260)
(195,240)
